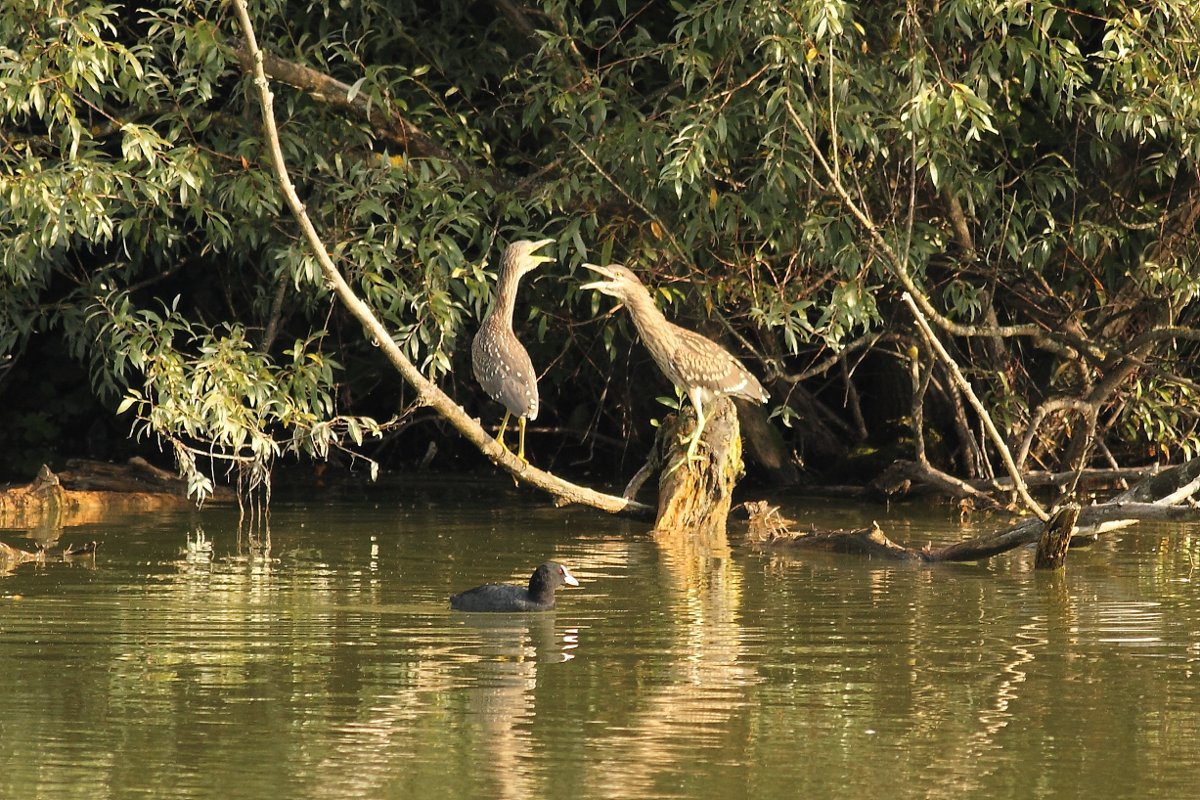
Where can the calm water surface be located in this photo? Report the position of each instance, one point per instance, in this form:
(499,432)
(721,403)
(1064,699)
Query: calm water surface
(182,664)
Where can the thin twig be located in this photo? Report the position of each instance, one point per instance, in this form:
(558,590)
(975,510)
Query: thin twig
(633,201)
(897,264)
(984,416)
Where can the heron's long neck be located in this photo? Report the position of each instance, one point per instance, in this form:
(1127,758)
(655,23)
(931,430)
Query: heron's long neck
(646,315)
(506,296)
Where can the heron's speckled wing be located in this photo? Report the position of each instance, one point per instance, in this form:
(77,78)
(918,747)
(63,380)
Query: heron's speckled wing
(702,362)
(502,367)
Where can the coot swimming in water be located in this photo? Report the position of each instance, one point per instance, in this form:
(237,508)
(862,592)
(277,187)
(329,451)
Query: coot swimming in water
(507,597)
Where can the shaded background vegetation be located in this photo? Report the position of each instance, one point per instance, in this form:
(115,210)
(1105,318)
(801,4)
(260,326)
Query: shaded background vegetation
(782,172)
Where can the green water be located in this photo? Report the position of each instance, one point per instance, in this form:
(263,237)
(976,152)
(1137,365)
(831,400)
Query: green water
(332,667)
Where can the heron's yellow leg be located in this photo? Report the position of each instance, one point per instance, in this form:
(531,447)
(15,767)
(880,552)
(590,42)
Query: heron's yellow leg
(693,441)
(521,440)
(503,426)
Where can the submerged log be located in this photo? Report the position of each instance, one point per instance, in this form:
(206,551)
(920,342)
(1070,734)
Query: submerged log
(1158,497)
(768,528)
(88,491)
(696,496)
(872,541)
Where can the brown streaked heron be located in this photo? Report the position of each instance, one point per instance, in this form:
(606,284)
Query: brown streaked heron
(700,367)
(499,360)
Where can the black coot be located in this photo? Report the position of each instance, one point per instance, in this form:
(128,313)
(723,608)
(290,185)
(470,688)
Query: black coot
(507,597)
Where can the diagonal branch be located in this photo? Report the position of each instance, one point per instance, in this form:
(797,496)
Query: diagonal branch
(975,402)
(386,122)
(894,261)
(428,393)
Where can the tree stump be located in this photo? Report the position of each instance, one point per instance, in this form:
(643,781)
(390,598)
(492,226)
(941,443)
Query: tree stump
(1056,538)
(695,497)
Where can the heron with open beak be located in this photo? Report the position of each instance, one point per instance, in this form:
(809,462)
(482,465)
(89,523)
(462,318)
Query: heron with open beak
(700,367)
(499,360)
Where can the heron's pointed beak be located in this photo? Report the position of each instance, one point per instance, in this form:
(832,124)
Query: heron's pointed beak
(597,284)
(538,245)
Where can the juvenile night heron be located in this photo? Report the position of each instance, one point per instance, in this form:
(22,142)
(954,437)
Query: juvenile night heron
(500,362)
(700,367)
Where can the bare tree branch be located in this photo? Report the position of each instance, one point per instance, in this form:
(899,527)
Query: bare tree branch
(1088,410)
(386,121)
(1155,498)
(897,265)
(989,426)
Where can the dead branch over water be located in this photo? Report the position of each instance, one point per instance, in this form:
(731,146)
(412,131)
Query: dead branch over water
(1167,495)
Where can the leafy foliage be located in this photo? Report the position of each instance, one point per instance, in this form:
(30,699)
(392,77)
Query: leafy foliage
(1026,163)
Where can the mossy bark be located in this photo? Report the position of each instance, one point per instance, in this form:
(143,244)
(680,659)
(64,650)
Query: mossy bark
(695,497)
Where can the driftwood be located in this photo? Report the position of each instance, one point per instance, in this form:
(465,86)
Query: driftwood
(47,504)
(872,541)
(88,491)
(1167,487)
(1160,496)
(11,557)
(768,529)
